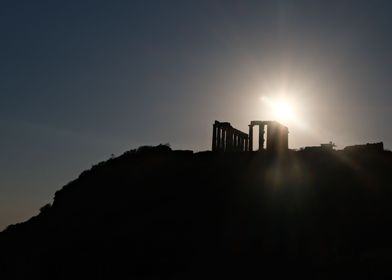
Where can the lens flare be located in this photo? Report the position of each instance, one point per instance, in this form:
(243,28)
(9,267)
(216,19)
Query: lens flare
(280,109)
(283,110)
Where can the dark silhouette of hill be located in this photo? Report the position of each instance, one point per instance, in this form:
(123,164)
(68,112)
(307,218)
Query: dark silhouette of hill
(154,213)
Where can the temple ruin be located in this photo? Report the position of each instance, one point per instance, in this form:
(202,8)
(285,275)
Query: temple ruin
(277,136)
(227,138)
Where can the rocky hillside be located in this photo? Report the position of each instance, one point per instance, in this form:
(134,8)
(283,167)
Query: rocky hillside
(154,213)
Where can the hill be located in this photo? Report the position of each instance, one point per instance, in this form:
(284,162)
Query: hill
(155,213)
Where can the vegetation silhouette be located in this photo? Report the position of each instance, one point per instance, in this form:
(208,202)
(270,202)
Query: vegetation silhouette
(155,213)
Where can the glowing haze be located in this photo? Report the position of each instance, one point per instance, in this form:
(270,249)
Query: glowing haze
(81,80)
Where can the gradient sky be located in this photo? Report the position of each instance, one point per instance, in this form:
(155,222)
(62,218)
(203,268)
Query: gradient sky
(81,80)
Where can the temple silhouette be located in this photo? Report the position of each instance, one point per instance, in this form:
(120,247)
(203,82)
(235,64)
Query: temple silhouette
(227,138)
(273,138)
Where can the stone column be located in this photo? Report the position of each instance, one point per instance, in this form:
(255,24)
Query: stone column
(214,137)
(250,137)
(226,139)
(229,139)
(223,141)
(218,138)
(261,137)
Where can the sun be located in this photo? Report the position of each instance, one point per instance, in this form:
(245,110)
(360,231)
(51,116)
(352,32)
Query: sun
(283,110)
(280,109)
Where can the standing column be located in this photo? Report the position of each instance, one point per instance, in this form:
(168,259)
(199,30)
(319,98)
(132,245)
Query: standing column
(229,139)
(218,138)
(250,137)
(214,137)
(246,144)
(223,139)
(261,137)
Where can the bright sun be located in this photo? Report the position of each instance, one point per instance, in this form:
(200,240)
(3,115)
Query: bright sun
(283,110)
(280,109)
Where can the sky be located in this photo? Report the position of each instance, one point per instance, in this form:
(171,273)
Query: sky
(82,80)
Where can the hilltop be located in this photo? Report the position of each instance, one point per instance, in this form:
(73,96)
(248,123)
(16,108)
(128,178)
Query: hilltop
(155,213)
